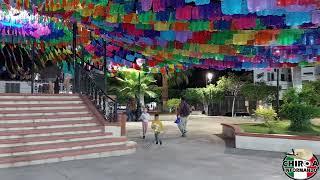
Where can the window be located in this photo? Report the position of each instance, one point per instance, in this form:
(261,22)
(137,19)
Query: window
(289,77)
(308,73)
(269,76)
(272,76)
(12,88)
(283,77)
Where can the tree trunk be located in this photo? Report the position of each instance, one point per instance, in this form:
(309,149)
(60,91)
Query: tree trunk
(165,92)
(142,100)
(233,103)
(206,107)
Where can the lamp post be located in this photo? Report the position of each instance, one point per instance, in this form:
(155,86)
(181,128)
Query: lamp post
(278,93)
(76,78)
(32,66)
(139,62)
(209,77)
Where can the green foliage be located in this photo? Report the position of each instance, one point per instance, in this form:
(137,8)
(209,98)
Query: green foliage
(299,115)
(174,93)
(156,98)
(299,109)
(280,127)
(291,96)
(177,79)
(268,114)
(173,104)
(210,94)
(258,92)
(223,83)
(194,96)
(128,84)
(232,84)
(213,93)
(311,93)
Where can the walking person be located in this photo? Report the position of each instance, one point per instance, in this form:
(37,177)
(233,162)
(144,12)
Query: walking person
(157,127)
(145,117)
(57,85)
(68,72)
(183,113)
(130,110)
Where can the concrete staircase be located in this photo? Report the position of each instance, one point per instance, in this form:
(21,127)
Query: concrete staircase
(38,129)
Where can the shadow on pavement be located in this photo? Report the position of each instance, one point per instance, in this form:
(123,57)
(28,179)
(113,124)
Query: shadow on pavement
(229,142)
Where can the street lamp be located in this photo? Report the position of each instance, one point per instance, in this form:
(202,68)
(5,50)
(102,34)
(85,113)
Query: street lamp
(139,62)
(209,77)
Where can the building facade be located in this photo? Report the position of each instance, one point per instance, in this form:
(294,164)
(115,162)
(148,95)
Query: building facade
(288,77)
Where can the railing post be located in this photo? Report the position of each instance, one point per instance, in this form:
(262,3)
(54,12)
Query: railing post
(32,66)
(115,111)
(75,82)
(91,91)
(95,97)
(104,105)
(100,107)
(105,69)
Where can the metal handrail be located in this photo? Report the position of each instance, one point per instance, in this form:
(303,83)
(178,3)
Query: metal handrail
(103,102)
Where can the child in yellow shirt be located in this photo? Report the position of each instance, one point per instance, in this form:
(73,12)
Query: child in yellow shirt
(157,127)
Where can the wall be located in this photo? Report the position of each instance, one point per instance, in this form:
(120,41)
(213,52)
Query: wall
(25,87)
(276,144)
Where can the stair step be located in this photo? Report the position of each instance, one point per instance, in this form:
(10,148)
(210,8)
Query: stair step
(42,101)
(28,98)
(38,129)
(42,112)
(53,139)
(45,125)
(49,132)
(37,96)
(19,107)
(48,118)
(88,153)
(56,147)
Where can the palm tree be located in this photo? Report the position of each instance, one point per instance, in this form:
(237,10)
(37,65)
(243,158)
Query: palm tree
(131,88)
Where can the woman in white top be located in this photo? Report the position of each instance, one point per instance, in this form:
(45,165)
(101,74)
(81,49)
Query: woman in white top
(145,117)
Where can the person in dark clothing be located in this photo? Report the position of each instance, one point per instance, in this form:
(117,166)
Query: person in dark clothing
(57,85)
(183,113)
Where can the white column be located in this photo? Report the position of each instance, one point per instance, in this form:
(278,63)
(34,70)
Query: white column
(296,78)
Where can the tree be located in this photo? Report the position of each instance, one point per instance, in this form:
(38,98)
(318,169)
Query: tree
(311,93)
(129,85)
(205,96)
(172,79)
(233,84)
(176,79)
(173,104)
(258,92)
(194,96)
(165,92)
(298,110)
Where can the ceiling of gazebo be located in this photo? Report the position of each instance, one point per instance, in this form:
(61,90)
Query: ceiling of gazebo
(238,34)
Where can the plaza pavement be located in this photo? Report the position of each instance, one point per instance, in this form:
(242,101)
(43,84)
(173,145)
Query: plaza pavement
(203,155)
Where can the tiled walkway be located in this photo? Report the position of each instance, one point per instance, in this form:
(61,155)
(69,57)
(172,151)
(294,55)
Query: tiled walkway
(202,156)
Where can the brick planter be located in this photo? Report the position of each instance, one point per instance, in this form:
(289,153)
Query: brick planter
(270,142)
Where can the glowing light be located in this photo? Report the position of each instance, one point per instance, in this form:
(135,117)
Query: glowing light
(209,76)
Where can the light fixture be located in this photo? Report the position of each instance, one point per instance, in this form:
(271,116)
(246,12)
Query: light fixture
(209,76)
(140,61)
